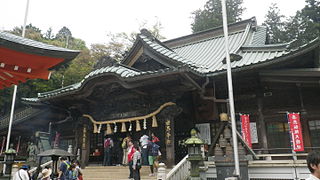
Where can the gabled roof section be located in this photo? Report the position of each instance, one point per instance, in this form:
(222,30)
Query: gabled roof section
(147,44)
(210,33)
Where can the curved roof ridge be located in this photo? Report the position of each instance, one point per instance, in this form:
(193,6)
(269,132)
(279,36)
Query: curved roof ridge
(29,42)
(250,20)
(243,39)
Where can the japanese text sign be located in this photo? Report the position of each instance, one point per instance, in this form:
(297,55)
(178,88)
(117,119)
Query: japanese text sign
(246,131)
(296,132)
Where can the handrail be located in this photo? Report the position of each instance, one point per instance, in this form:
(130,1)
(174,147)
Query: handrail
(18,116)
(180,171)
(282,155)
(42,166)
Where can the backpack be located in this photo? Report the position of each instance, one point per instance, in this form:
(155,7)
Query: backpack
(139,164)
(107,143)
(155,149)
(67,163)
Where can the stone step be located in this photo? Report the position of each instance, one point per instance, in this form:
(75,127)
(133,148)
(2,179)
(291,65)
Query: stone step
(113,173)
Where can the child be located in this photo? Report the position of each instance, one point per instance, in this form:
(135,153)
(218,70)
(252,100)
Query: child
(136,165)
(72,173)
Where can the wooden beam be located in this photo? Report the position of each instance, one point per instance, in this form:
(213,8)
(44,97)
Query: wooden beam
(25,71)
(136,57)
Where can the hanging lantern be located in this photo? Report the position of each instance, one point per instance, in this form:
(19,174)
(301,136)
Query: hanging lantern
(130,127)
(109,130)
(154,121)
(123,127)
(145,124)
(138,128)
(99,128)
(115,128)
(95,128)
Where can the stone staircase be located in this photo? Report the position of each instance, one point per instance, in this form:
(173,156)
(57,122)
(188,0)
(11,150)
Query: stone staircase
(113,173)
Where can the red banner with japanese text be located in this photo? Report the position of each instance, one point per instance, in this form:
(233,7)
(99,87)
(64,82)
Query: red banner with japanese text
(245,126)
(296,131)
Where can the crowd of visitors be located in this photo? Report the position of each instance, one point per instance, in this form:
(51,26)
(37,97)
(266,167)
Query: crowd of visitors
(135,153)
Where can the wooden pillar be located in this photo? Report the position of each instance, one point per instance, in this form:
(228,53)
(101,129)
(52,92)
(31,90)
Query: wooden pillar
(85,147)
(169,141)
(304,121)
(317,57)
(262,130)
(168,115)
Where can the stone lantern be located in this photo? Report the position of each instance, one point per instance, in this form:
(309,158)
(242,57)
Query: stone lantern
(194,154)
(10,155)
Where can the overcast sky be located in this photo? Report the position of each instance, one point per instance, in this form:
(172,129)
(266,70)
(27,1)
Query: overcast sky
(92,20)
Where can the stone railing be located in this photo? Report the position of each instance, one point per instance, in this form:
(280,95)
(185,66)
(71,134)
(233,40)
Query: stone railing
(180,171)
(18,116)
(33,170)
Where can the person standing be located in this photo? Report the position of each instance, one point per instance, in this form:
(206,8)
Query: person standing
(108,144)
(136,162)
(153,151)
(124,146)
(22,173)
(78,169)
(144,146)
(45,173)
(313,162)
(155,139)
(63,169)
(72,174)
(131,151)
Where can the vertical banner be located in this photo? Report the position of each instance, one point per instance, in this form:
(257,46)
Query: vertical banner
(295,131)
(245,126)
(205,133)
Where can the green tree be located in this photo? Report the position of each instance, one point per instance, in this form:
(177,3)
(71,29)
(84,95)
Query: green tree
(305,25)
(211,15)
(275,24)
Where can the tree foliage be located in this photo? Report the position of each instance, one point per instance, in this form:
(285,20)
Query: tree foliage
(275,24)
(211,15)
(299,29)
(67,74)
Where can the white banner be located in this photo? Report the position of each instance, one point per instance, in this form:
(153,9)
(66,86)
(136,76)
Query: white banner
(205,134)
(254,134)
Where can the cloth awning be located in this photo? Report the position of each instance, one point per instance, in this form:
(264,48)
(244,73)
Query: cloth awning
(22,59)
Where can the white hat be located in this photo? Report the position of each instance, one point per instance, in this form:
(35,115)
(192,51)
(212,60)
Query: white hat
(46,172)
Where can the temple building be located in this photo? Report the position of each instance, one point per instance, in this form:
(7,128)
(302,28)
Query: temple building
(170,87)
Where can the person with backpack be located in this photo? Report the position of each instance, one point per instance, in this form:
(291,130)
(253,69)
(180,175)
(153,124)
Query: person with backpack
(108,144)
(153,150)
(136,162)
(72,174)
(63,169)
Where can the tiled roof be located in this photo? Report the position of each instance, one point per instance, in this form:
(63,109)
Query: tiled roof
(119,71)
(28,42)
(203,57)
(172,55)
(210,53)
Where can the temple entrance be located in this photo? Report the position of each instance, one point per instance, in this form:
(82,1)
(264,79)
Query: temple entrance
(96,155)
